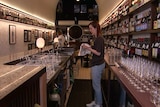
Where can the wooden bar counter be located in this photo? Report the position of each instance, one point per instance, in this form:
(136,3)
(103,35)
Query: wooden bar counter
(139,99)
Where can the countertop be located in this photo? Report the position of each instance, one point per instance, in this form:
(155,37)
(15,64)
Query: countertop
(12,76)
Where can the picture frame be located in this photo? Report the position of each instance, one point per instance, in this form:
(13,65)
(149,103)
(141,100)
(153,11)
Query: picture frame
(29,36)
(76,8)
(12,34)
(29,46)
(25,35)
(83,8)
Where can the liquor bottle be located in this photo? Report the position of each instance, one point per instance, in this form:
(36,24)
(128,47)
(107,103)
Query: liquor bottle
(132,48)
(148,19)
(143,49)
(158,17)
(138,49)
(158,54)
(155,49)
(16,16)
(132,24)
(146,50)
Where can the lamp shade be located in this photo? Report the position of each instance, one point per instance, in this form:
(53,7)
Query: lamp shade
(56,40)
(40,42)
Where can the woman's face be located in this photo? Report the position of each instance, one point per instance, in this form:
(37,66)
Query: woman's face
(93,30)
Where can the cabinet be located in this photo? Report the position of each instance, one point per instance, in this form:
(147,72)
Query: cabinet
(135,26)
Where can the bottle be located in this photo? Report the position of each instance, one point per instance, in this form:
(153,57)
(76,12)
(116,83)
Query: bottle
(158,17)
(131,24)
(158,54)
(155,49)
(138,49)
(146,50)
(143,49)
(54,96)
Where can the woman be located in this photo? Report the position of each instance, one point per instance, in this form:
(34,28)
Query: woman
(97,63)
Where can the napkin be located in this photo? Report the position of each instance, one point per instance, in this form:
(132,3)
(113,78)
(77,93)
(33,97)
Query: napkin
(82,51)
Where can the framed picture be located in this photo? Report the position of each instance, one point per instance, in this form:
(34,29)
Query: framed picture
(29,46)
(25,35)
(29,36)
(76,8)
(12,34)
(83,8)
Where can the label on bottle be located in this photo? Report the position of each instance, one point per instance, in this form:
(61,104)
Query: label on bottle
(147,46)
(153,54)
(155,25)
(158,23)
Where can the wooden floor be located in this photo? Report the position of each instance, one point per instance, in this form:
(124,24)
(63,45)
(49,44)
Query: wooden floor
(80,72)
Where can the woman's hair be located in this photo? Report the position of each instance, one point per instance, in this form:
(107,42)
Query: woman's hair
(59,32)
(96,25)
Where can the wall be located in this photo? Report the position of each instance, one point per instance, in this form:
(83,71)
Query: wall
(20,46)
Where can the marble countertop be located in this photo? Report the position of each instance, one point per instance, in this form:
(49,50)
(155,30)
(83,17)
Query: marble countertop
(12,76)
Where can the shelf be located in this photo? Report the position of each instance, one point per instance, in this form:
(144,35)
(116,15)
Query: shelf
(14,15)
(141,8)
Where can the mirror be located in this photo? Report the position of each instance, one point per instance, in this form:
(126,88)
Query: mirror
(75,32)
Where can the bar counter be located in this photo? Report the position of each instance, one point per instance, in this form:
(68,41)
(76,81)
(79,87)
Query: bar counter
(13,77)
(139,99)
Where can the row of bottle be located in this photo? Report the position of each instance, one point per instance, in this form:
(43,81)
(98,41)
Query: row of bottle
(139,22)
(141,47)
(118,28)
(138,46)
(123,10)
(156,48)
(17,16)
(143,20)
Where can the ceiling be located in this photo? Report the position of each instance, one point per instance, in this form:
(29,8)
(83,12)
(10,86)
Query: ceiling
(46,9)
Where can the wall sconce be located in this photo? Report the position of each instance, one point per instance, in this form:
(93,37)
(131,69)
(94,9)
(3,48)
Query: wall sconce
(40,42)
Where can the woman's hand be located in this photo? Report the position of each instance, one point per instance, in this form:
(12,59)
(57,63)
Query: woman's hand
(85,47)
